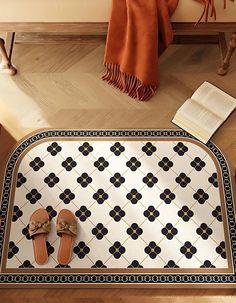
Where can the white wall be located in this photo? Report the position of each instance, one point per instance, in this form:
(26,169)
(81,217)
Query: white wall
(93,11)
(54,10)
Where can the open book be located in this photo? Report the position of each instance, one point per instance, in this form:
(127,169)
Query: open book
(207,109)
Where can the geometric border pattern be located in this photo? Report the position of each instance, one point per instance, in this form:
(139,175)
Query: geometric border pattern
(127,278)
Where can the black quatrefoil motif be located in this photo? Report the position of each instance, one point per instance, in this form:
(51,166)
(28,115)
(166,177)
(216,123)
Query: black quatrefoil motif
(99,231)
(117,250)
(84,180)
(101,164)
(20,180)
(166,164)
(149,149)
(69,164)
(180,149)
(37,164)
(183,180)
(85,149)
(152,250)
(133,164)
(117,180)
(117,149)
(198,164)
(150,180)
(51,180)
(54,149)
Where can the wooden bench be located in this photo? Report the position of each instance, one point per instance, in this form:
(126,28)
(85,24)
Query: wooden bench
(90,17)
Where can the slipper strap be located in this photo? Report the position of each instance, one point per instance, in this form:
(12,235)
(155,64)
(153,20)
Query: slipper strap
(39,227)
(65,227)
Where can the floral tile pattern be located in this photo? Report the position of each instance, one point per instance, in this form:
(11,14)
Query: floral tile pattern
(140,204)
(155,207)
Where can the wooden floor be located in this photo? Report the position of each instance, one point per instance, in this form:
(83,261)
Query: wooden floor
(59,86)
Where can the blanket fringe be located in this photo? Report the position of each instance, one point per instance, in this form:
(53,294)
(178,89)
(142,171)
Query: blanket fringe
(209,10)
(128,84)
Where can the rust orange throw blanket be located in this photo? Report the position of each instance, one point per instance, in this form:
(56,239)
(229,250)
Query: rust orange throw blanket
(139,32)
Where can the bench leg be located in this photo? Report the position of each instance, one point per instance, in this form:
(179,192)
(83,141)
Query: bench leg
(223,69)
(6,65)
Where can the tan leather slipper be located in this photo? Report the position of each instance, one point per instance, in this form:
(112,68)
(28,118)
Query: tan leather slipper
(39,227)
(67,230)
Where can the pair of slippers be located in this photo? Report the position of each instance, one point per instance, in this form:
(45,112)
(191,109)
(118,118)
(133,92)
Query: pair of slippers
(40,227)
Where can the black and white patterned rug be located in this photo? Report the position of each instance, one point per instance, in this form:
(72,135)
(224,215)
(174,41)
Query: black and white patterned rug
(153,207)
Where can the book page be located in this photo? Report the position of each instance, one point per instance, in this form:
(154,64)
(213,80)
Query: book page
(192,129)
(215,100)
(192,112)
